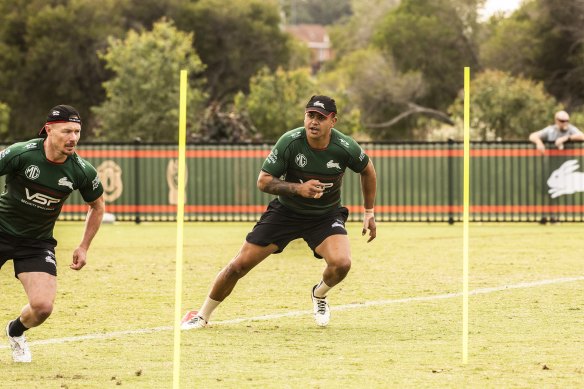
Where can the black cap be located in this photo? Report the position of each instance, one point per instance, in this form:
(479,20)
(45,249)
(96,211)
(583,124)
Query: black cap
(321,104)
(60,114)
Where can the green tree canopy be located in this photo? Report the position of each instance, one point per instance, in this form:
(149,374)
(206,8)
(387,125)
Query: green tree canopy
(315,12)
(276,100)
(50,57)
(4,119)
(234,40)
(543,40)
(143,96)
(506,107)
(436,38)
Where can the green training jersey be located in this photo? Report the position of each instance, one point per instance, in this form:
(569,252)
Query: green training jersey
(36,188)
(293,160)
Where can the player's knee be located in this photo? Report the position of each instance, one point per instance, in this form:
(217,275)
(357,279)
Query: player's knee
(41,309)
(235,270)
(342,266)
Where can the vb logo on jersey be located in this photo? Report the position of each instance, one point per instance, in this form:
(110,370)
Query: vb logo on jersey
(301,160)
(32,172)
(41,199)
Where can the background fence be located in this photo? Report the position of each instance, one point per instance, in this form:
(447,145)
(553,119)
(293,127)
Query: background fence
(510,181)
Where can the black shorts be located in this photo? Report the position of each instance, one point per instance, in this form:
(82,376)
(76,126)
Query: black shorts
(28,255)
(280,225)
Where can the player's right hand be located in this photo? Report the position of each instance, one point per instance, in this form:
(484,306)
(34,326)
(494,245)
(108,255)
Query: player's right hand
(311,189)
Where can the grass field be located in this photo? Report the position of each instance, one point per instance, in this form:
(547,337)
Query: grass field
(396,320)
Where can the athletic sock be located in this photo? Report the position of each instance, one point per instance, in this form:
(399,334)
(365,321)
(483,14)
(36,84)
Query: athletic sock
(16,328)
(208,307)
(321,289)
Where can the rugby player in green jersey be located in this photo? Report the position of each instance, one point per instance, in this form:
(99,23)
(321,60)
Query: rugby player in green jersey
(305,170)
(40,174)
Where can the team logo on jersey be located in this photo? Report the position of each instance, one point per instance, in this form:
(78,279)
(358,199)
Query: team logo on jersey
(331,164)
(4,153)
(344,142)
(32,172)
(30,146)
(295,135)
(273,157)
(301,160)
(65,182)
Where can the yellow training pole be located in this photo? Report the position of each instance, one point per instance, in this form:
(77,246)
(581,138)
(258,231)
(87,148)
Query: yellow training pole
(465,215)
(180,213)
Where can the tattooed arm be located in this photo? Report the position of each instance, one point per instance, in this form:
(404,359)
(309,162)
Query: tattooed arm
(273,185)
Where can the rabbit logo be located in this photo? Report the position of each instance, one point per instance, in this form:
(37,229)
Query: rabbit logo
(566,180)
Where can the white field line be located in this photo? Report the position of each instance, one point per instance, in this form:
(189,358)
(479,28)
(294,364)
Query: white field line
(117,334)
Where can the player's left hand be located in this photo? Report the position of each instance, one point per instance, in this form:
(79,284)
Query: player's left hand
(79,258)
(369,224)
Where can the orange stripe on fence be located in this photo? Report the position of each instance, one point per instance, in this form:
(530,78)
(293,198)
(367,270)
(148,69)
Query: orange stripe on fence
(385,209)
(170,208)
(436,153)
(173,153)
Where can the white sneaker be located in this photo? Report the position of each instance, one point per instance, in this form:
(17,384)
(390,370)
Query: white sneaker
(191,320)
(322,311)
(20,350)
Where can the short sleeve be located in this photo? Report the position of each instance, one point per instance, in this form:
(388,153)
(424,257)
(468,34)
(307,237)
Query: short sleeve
(91,189)
(276,163)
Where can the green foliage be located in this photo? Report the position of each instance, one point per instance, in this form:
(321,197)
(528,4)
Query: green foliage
(50,57)
(375,89)
(143,96)
(543,41)
(4,119)
(506,107)
(276,100)
(234,40)
(315,12)
(436,38)
(356,32)
(512,44)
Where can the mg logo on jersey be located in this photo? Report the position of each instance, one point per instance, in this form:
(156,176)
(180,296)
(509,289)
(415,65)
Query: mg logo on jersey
(32,172)
(301,160)
(41,199)
(344,142)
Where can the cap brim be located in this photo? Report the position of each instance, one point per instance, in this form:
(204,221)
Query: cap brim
(319,110)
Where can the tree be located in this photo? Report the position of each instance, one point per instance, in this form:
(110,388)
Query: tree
(506,107)
(235,40)
(356,32)
(143,96)
(436,38)
(49,58)
(324,12)
(543,40)
(385,97)
(276,100)
(4,119)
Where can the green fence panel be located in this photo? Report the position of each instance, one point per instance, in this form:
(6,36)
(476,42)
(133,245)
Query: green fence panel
(417,181)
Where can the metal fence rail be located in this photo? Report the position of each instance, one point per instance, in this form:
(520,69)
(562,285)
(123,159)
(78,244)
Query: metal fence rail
(417,181)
